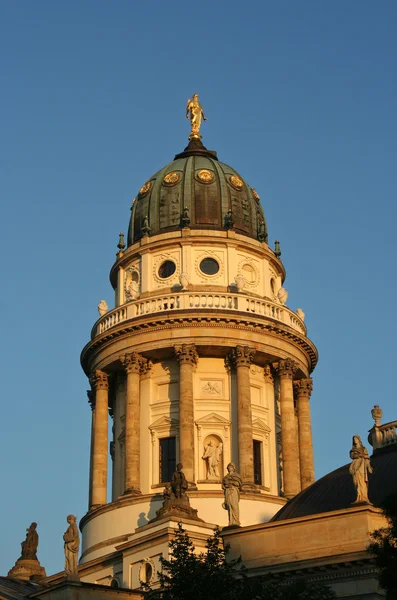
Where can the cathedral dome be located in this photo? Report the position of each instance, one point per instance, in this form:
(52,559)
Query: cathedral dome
(197,191)
(335,491)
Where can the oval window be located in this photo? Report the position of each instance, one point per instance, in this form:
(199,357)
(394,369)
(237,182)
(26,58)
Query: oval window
(167,268)
(146,572)
(209,266)
(273,285)
(249,273)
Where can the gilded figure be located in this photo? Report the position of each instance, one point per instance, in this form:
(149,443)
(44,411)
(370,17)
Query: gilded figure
(194,112)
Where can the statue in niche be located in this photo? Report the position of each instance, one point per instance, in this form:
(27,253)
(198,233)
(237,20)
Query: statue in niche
(71,547)
(30,544)
(212,455)
(131,285)
(360,469)
(231,485)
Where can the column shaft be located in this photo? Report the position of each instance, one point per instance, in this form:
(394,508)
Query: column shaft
(188,358)
(289,433)
(242,358)
(134,364)
(99,382)
(303,388)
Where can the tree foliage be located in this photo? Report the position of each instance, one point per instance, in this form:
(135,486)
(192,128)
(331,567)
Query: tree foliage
(209,576)
(384,549)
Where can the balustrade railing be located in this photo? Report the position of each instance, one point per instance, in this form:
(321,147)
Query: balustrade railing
(196,301)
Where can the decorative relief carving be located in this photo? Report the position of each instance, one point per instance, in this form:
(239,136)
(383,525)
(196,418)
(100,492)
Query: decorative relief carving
(186,353)
(205,176)
(171,178)
(99,380)
(211,387)
(236,182)
(145,188)
(248,268)
(267,374)
(131,283)
(287,368)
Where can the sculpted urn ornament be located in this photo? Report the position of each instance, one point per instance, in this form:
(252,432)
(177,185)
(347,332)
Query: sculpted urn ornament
(240,282)
(103,308)
(71,548)
(231,485)
(359,469)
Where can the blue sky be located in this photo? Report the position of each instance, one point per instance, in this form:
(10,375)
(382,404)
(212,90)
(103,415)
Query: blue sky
(301,100)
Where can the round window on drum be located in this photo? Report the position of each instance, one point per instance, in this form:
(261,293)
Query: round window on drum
(166,269)
(209,266)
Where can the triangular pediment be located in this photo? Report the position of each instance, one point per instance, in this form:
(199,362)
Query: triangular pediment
(261,425)
(164,422)
(212,419)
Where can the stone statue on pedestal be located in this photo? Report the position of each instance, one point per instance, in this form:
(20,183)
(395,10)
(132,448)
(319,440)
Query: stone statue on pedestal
(71,548)
(175,499)
(231,485)
(28,567)
(360,469)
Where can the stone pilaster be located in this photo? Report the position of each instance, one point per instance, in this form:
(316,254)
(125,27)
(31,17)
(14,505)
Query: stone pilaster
(187,356)
(303,389)
(241,358)
(100,385)
(289,434)
(134,365)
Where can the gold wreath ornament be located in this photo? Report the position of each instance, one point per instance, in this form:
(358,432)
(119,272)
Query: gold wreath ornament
(205,176)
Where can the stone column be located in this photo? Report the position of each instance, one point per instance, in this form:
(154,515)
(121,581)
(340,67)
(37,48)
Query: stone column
(289,433)
(303,389)
(99,383)
(242,357)
(91,400)
(134,365)
(187,357)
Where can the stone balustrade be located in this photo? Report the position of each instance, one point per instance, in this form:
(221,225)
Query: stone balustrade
(196,301)
(383,435)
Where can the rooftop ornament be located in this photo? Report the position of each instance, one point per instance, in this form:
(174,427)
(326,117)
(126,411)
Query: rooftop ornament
(194,112)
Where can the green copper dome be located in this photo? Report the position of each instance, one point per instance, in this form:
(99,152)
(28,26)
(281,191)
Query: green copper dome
(196,191)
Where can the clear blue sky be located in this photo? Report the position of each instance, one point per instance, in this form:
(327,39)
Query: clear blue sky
(301,100)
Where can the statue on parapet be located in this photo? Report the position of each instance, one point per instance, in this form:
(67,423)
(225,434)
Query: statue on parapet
(359,469)
(71,548)
(30,544)
(28,567)
(176,502)
(231,485)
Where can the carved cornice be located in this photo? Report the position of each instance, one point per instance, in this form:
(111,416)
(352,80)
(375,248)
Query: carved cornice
(135,363)
(134,328)
(287,368)
(267,374)
(99,380)
(240,356)
(303,387)
(186,354)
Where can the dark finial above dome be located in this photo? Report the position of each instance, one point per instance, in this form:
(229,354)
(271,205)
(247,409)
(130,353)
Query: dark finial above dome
(196,183)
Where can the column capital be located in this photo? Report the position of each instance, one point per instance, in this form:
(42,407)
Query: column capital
(186,354)
(267,374)
(287,368)
(135,363)
(241,356)
(99,380)
(303,387)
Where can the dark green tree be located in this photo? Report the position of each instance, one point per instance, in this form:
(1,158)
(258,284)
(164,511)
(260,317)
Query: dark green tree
(384,549)
(209,576)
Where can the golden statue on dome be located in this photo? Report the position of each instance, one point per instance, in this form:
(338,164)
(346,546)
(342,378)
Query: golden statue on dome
(194,112)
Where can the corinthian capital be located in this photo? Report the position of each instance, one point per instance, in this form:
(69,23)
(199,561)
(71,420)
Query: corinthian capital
(242,356)
(186,353)
(287,368)
(99,380)
(303,387)
(135,363)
